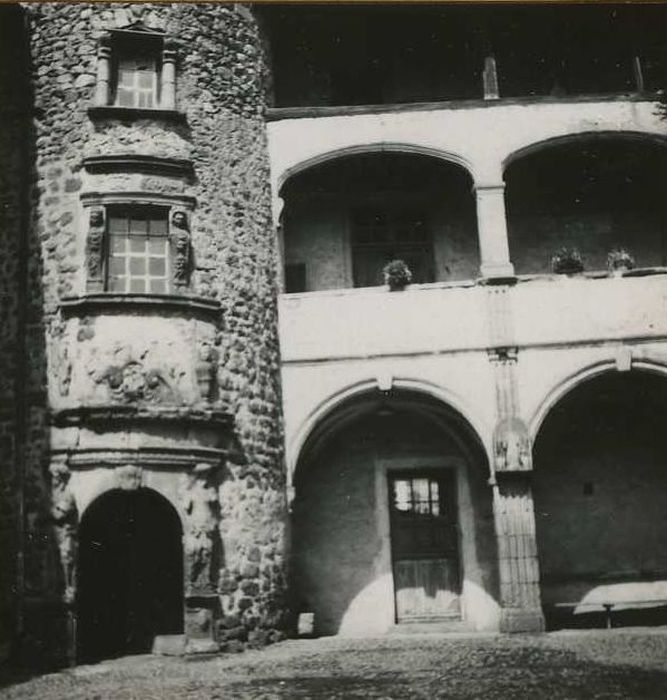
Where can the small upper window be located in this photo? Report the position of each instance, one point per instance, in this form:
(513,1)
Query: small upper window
(138,249)
(137,84)
(136,69)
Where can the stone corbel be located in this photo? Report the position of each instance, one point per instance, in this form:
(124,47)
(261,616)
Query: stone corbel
(511,446)
(180,241)
(64,518)
(95,249)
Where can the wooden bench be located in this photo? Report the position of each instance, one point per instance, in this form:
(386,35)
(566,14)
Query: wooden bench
(608,606)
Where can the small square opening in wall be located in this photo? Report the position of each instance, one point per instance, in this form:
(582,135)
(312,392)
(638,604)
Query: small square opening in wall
(588,488)
(295,278)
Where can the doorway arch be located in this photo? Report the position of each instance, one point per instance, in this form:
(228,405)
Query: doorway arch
(365,556)
(600,488)
(130,574)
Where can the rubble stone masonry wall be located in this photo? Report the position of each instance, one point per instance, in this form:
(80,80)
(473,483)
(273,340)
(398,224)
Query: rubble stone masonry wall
(220,77)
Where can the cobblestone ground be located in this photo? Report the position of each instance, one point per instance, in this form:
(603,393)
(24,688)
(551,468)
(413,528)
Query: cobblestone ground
(599,664)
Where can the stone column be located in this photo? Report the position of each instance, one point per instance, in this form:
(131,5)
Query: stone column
(513,510)
(277,208)
(492,231)
(168,99)
(490,79)
(517,554)
(102,94)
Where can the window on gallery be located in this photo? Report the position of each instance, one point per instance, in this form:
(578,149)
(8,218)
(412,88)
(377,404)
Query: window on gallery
(381,234)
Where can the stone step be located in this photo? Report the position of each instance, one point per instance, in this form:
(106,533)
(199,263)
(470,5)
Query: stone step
(434,627)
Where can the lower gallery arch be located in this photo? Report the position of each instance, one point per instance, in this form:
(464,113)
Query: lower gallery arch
(392,518)
(130,574)
(600,490)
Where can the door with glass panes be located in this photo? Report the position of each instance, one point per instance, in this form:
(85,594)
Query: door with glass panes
(424,543)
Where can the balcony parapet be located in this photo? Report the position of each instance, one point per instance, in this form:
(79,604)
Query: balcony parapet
(431,319)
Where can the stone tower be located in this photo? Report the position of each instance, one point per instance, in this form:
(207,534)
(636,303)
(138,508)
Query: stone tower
(148,292)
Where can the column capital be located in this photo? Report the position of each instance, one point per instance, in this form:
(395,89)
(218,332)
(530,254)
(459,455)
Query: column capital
(489,187)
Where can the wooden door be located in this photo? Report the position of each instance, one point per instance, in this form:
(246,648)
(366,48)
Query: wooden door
(424,542)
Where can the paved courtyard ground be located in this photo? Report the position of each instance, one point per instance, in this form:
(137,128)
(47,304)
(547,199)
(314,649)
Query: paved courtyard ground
(590,664)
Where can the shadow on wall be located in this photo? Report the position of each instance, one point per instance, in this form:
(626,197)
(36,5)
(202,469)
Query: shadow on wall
(28,552)
(600,501)
(341,559)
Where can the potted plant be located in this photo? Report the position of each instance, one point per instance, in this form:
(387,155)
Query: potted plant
(397,275)
(619,260)
(567,261)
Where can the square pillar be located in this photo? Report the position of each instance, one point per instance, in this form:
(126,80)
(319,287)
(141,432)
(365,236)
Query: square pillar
(514,519)
(492,231)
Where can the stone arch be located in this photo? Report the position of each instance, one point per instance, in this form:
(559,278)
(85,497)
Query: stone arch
(352,392)
(599,486)
(579,376)
(130,581)
(376,147)
(130,477)
(595,191)
(576,136)
(350,211)
(343,521)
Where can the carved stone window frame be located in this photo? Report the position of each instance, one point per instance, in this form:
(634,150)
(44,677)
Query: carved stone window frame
(179,209)
(124,42)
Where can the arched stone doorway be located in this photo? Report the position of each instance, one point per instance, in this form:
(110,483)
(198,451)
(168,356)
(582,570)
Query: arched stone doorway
(600,491)
(392,519)
(130,574)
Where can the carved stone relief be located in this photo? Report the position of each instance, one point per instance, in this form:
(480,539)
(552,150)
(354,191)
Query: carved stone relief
(128,477)
(131,377)
(179,237)
(201,509)
(64,517)
(95,249)
(59,357)
(206,370)
(511,446)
